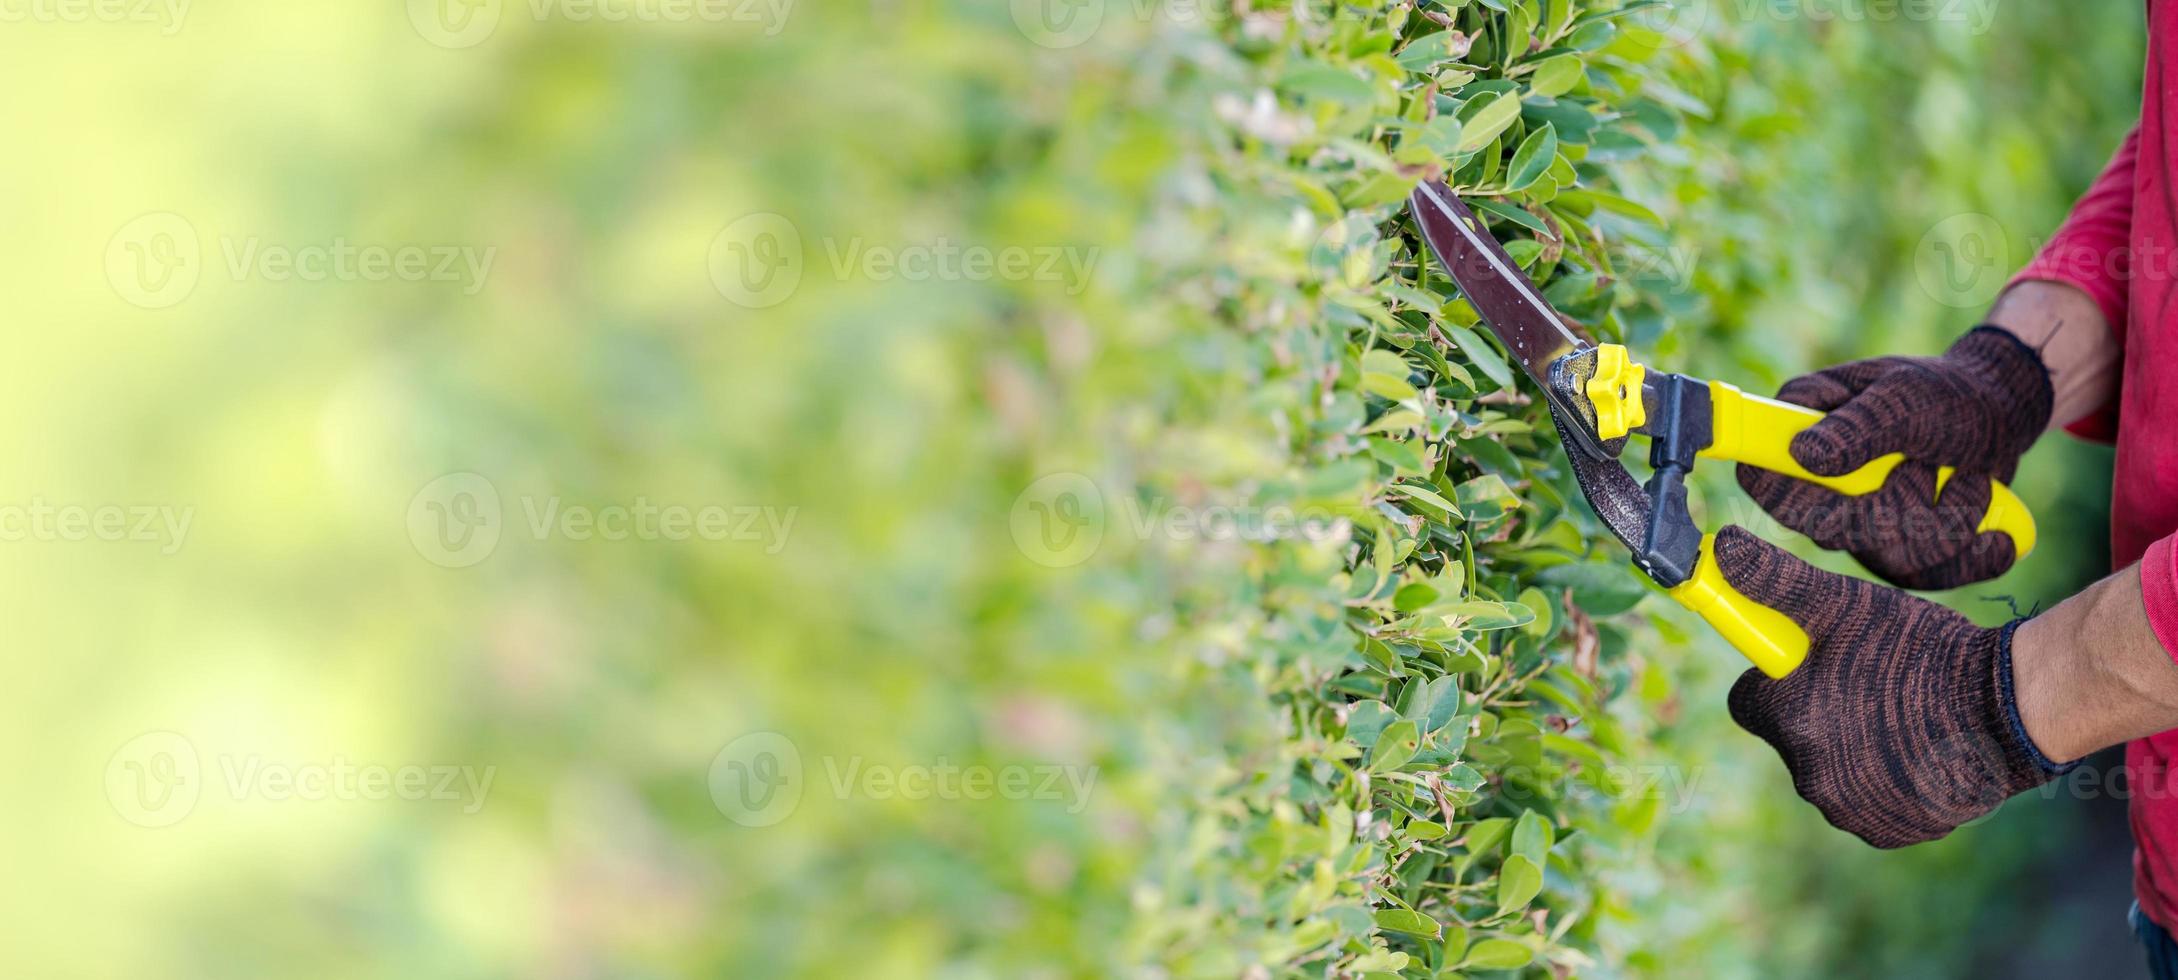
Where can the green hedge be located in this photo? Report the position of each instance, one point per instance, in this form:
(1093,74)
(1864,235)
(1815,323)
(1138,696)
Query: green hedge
(1464,769)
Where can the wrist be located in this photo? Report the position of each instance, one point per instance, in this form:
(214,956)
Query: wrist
(2067,330)
(2031,674)
(2090,672)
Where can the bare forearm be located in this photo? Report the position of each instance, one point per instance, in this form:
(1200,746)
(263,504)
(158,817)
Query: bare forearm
(2066,327)
(2090,672)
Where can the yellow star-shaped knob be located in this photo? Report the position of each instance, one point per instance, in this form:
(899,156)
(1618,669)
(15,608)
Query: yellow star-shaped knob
(1615,392)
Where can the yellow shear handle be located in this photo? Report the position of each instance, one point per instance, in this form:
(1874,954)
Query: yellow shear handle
(1758,431)
(1770,638)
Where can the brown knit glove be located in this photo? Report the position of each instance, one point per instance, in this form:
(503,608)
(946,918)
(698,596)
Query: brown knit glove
(1977,408)
(1900,726)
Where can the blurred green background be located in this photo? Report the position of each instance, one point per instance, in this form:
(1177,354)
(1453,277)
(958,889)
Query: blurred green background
(519,287)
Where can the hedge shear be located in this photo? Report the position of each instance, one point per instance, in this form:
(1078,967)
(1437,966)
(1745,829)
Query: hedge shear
(1598,397)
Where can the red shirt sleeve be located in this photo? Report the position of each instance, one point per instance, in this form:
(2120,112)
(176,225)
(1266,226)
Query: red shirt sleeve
(2092,252)
(2159,592)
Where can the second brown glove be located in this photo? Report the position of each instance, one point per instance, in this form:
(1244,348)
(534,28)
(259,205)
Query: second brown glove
(1976,408)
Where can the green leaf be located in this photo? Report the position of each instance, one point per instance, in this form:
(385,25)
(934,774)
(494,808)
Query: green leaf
(1352,920)
(1395,746)
(1556,75)
(1315,80)
(1385,373)
(1532,837)
(1517,883)
(1425,829)
(1425,52)
(1519,28)
(1516,215)
(1430,497)
(1418,298)
(1496,954)
(1455,943)
(1463,778)
(1368,719)
(1534,599)
(1592,36)
(1397,420)
(1487,491)
(1482,120)
(1445,369)
(1379,964)
(1485,835)
(1636,6)
(1534,157)
(1380,361)
(1384,385)
(1483,839)
(1557,17)
(1574,122)
(1311,935)
(1615,204)
(1430,704)
(1441,135)
(1399,456)
(1404,920)
(1413,596)
(1524,252)
(1381,189)
(1480,354)
(1379,654)
(1598,590)
(1482,614)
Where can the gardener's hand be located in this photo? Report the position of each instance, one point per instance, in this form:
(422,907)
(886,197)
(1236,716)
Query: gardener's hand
(1901,724)
(1976,408)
